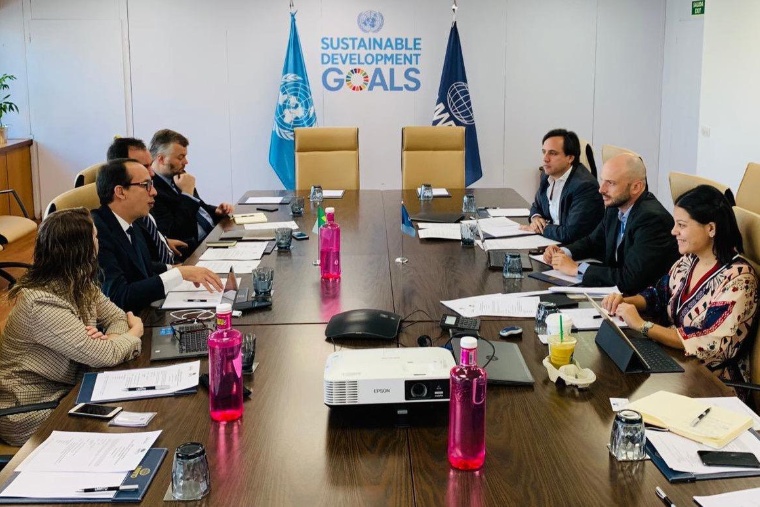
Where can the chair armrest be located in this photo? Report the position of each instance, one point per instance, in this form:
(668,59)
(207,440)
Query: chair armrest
(744,385)
(21,409)
(18,200)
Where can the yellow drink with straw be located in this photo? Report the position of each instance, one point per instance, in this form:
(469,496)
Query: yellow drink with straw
(561,347)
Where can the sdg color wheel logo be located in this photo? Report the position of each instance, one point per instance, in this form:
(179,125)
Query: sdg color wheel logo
(370,21)
(294,107)
(357,80)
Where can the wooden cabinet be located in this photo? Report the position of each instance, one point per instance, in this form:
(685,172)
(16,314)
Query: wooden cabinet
(16,173)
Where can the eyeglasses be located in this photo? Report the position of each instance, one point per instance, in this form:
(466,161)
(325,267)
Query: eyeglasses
(147,185)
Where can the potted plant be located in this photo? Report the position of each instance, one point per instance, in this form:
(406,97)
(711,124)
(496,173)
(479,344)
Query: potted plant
(5,106)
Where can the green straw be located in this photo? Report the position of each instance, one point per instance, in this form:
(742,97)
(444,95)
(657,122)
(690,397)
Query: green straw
(561,330)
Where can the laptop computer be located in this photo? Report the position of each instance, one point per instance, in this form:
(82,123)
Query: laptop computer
(188,339)
(506,367)
(634,354)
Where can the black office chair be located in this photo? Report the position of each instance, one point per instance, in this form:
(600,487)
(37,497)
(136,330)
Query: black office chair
(5,458)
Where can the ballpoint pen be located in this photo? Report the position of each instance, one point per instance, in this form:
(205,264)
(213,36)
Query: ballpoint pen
(700,417)
(196,300)
(130,487)
(661,494)
(145,388)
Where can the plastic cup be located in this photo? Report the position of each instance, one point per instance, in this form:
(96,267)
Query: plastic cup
(561,350)
(552,324)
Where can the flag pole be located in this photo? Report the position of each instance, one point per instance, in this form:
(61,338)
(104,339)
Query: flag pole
(402,259)
(454,8)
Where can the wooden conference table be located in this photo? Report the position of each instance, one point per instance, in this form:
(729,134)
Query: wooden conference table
(545,445)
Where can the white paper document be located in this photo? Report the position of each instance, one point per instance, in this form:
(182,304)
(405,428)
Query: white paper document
(266,200)
(145,382)
(585,319)
(591,291)
(680,453)
(332,194)
(519,243)
(90,452)
(248,251)
(440,231)
(62,484)
(508,212)
(437,192)
(192,299)
(562,276)
(271,226)
(188,286)
(223,266)
(494,305)
(741,498)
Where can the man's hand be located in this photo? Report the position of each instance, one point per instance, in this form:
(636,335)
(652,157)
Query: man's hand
(201,276)
(224,209)
(561,262)
(185,182)
(135,325)
(538,224)
(549,253)
(175,245)
(93,333)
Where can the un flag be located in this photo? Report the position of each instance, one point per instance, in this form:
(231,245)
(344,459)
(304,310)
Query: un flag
(295,108)
(454,106)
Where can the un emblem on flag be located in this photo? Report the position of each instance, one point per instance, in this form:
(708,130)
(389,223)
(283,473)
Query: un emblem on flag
(370,21)
(458,100)
(295,107)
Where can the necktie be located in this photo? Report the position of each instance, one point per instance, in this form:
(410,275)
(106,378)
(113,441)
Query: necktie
(620,237)
(164,254)
(551,192)
(203,221)
(138,255)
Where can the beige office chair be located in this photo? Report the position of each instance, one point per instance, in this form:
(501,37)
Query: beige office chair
(85,196)
(87,176)
(327,156)
(747,196)
(609,151)
(13,228)
(432,155)
(682,182)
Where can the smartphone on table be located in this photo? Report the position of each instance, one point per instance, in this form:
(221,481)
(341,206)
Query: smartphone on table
(93,410)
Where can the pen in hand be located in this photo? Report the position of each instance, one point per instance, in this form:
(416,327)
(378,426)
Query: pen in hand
(700,417)
(661,494)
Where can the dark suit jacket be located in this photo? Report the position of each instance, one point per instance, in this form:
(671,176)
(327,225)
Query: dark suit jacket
(647,251)
(128,276)
(175,214)
(580,206)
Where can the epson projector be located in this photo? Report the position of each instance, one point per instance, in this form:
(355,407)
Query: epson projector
(389,375)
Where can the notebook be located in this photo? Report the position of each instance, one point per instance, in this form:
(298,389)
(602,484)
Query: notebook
(506,367)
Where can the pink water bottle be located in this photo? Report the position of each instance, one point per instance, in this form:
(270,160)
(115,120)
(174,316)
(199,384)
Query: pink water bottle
(467,410)
(225,371)
(329,247)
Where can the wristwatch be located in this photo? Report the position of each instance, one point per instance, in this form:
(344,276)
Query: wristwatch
(646,327)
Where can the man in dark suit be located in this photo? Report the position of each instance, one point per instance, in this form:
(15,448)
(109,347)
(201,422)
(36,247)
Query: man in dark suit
(179,211)
(567,205)
(633,240)
(130,278)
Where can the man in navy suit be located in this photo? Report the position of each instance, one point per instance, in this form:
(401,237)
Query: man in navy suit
(567,205)
(130,279)
(633,240)
(179,211)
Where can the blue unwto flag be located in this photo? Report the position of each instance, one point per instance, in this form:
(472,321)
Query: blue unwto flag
(295,108)
(406,223)
(454,107)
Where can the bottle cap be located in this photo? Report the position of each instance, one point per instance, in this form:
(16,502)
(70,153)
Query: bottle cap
(468,342)
(330,210)
(223,308)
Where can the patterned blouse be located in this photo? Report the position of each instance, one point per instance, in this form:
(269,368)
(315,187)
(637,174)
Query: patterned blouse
(45,350)
(715,318)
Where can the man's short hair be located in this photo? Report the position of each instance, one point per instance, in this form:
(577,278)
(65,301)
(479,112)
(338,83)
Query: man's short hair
(111,175)
(121,145)
(163,139)
(571,145)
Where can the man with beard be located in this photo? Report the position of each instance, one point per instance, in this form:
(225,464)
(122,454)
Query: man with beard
(633,241)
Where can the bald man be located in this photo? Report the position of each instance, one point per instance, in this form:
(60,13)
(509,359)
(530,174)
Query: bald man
(633,241)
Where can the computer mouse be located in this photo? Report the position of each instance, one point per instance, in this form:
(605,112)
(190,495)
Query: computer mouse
(510,331)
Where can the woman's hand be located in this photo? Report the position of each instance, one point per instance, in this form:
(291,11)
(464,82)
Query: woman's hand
(630,315)
(94,333)
(135,325)
(611,302)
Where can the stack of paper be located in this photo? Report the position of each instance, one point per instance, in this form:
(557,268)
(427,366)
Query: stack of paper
(267,200)
(271,225)
(431,230)
(715,426)
(508,212)
(241,252)
(249,218)
(519,243)
(495,305)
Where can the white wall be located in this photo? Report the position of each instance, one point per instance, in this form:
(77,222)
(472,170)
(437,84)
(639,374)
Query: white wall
(730,101)
(211,71)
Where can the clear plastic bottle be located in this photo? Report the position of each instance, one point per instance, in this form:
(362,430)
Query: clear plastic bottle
(225,370)
(329,247)
(467,410)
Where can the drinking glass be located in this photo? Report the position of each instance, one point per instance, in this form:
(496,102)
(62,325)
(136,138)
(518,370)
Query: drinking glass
(544,309)
(628,437)
(249,352)
(426,192)
(190,475)
(263,278)
(468,204)
(468,233)
(296,206)
(316,194)
(513,267)
(283,237)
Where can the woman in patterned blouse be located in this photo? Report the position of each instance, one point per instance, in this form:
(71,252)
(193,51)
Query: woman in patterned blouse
(60,323)
(706,304)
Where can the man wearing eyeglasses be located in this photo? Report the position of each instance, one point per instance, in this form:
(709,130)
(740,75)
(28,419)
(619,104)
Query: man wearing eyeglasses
(179,210)
(130,278)
(161,248)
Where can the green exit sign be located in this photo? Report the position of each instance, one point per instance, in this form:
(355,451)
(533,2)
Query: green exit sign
(697,7)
